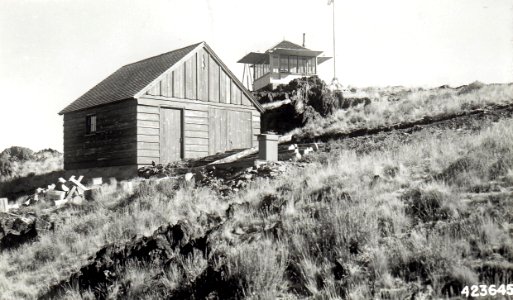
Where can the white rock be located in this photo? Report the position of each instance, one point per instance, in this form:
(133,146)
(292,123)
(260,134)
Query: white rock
(307,150)
(14,206)
(60,202)
(189,176)
(97,181)
(292,147)
(297,154)
(77,200)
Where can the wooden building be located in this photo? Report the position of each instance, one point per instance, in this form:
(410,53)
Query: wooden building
(178,105)
(281,64)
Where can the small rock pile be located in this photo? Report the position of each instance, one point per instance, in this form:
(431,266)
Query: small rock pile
(295,152)
(62,192)
(16,230)
(226,179)
(159,170)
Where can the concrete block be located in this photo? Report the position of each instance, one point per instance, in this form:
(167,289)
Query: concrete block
(268,147)
(292,147)
(60,202)
(4,205)
(189,176)
(97,181)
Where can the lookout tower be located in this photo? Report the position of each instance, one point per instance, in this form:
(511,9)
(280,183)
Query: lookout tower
(280,64)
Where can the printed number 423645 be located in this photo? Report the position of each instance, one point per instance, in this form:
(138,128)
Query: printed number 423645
(483,290)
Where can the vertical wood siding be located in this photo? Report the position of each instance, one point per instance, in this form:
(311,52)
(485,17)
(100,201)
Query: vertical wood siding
(179,82)
(190,78)
(213,81)
(166,86)
(200,78)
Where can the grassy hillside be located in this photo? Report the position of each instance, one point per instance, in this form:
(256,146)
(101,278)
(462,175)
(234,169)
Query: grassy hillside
(23,170)
(18,162)
(389,216)
(389,106)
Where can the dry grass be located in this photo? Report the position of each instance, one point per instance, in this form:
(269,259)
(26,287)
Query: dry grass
(18,162)
(388,107)
(425,216)
(357,225)
(115,216)
(22,177)
(37,167)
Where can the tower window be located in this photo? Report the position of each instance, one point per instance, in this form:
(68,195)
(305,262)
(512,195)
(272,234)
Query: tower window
(284,63)
(293,64)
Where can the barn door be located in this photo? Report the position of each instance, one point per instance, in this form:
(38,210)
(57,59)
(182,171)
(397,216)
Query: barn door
(229,130)
(239,130)
(171,135)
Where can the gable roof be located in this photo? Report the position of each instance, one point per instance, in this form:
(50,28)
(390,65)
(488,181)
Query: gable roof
(128,81)
(288,45)
(283,47)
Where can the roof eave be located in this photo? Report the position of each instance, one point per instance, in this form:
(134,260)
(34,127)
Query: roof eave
(64,111)
(322,59)
(299,52)
(254,58)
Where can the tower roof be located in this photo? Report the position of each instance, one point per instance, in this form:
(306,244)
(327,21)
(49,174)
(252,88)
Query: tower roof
(284,47)
(288,45)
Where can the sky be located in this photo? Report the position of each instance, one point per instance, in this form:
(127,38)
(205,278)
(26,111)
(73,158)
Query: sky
(53,51)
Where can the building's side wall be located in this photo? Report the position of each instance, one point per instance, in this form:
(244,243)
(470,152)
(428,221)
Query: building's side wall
(113,144)
(201,122)
(119,172)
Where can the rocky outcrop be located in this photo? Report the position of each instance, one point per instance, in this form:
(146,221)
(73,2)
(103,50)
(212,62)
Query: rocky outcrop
(302,99)
(19,228)
(106,266)
(16,230)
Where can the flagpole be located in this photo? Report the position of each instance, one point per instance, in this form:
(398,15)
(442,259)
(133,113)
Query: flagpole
(334,59)
(334,85)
